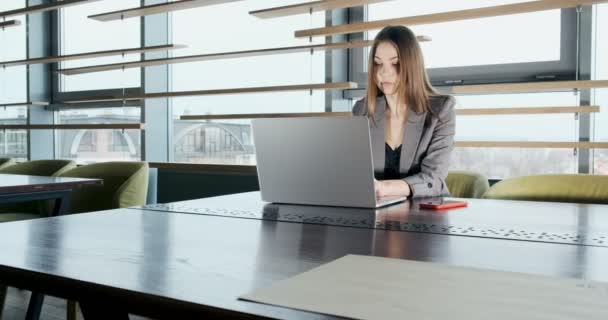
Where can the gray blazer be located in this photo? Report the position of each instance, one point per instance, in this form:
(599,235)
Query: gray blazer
(427,144)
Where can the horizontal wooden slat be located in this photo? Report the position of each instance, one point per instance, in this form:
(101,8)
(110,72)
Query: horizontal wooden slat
(24,104)
(502,10)
(223,55)
(525,110)
(44,7)
(214,56)
(9,23)
(265,115)
(301,87)
(532,144)
(88,55)
(310,7)
(72,126)
(460,112)
(529,86)
(155,9)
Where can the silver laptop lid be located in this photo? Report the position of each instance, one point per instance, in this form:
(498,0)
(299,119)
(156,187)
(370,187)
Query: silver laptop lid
(318,161)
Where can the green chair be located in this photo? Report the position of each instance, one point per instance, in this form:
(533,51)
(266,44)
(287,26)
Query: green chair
(466,184)
(125,184)
(47,168)
(577,188)
(5,162)
(32,209)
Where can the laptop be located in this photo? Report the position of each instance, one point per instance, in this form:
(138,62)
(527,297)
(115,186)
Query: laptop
(316,161)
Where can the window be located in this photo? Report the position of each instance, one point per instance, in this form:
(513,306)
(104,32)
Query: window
(498,163)
(600,120)
(538,43)
(13,84)
(79,34)
(229,142)
(87,146)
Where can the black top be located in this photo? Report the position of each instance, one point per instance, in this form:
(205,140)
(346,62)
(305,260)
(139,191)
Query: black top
(391,162)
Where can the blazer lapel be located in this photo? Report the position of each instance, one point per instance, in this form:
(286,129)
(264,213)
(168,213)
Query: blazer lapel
(377,135)
(413,132)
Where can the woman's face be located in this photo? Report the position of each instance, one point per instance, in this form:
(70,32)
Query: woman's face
(386,61)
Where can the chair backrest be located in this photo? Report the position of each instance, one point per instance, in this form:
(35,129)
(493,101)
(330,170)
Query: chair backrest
(125,184)
(577,188)
(5,162)
(40,167)
(466,184)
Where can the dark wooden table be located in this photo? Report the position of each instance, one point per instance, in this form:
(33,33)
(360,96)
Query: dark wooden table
(172,265)
(22,188)
(16,188)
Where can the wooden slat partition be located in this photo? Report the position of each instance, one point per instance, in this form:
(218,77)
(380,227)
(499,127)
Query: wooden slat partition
(460,112)
(525,110)
(300,87)
(88,55)
(529,86)
(24,104)
(264,115)
(532,144)
(309,7)
(71,126)
(9,23)
(502,10)
(43,7)
(215,56)
(155,9)
(224,55)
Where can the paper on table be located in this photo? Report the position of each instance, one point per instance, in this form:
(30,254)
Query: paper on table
(365,287)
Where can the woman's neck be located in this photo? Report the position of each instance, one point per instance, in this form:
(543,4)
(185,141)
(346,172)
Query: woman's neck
(395,110)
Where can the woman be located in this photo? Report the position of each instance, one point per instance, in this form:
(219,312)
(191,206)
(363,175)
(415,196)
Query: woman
(412,126)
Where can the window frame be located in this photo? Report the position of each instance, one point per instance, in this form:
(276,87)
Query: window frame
(564,69)
(59,96)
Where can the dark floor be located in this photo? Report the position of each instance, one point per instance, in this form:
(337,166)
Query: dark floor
(53,308)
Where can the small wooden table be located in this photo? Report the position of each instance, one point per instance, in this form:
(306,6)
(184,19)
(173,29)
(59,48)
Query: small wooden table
(22,188)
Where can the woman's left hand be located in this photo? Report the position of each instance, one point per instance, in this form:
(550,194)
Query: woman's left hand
(387,188)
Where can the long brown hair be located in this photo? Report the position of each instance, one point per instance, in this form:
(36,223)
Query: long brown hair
(414,88)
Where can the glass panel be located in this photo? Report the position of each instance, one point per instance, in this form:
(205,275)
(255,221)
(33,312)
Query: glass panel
(600,163)
(221,141)
(13,84)
(460,43)
(81,34)
(498,163)
(534,127)
(87,146)
(230,142)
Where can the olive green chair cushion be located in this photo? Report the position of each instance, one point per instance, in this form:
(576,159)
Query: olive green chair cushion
(35,168)
(466,184)
(5,162)
(40,167)
(17,216)
(125,184)
(577,188)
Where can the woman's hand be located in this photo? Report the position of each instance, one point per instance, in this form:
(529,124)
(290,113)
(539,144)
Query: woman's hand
(387,188)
